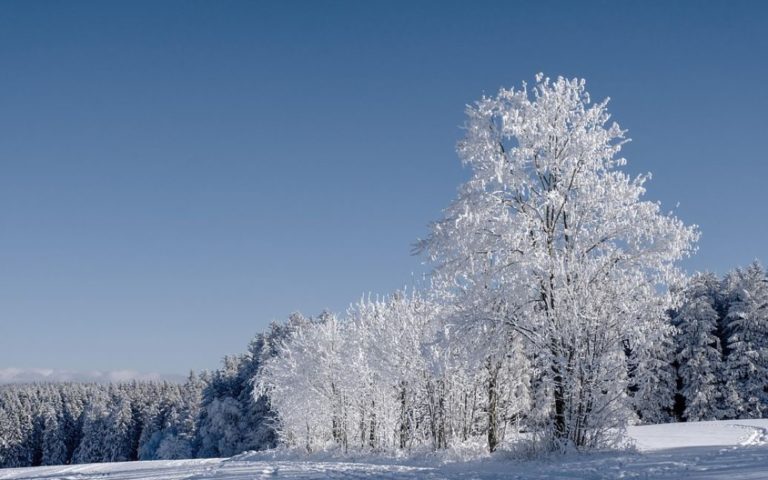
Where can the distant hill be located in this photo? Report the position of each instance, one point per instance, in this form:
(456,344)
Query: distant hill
(31,375)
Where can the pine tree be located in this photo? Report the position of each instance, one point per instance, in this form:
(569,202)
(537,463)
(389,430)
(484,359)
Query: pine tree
(10,440)
(653,380)
(119,428)
(54,446)
(699,354)
(93,447)
(746,367)
(151,432)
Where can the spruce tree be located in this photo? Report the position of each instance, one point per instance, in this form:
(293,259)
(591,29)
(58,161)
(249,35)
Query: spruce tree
(699,353)
(746,372)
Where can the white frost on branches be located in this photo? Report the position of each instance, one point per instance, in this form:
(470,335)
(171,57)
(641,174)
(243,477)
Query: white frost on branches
(548,240)
(547,316)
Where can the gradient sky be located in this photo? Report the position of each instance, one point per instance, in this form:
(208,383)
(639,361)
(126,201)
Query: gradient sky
(176,175)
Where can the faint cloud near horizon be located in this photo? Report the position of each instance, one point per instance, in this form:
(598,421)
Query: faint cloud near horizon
(32,375)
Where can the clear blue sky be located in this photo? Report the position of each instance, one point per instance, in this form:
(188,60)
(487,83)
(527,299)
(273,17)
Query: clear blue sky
(175,175)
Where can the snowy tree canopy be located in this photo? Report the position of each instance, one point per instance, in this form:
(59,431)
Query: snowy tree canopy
(550,240)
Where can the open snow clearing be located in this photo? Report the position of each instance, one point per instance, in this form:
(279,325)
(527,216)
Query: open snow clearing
(732,450)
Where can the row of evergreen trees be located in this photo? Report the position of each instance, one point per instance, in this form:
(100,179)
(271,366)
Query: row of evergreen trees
(211,415)
(50,424)
(721,347)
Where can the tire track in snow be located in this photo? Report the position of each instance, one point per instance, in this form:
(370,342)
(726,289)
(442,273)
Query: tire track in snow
(758,435)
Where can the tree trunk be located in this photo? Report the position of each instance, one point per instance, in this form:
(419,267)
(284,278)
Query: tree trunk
(362,428)
(403,417)
(442,441)
(493,407)
(559,396)
(372,433)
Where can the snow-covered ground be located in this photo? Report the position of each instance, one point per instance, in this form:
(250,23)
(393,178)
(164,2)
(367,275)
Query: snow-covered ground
(731,450)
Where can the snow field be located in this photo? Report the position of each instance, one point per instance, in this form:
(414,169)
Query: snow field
(721,450)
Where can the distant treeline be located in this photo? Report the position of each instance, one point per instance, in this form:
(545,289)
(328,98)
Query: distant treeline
(211,415)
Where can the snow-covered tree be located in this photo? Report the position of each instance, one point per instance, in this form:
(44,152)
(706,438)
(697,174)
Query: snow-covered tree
(118,425)
(180,438)
(652,375)
(54,446)
(230,418)
(307,383)
(388,336)
(151,432)
(93,447)
(746,347)
(374,379)
(11,438)
(551,229)
(493,367)
(699,354)
(220,433)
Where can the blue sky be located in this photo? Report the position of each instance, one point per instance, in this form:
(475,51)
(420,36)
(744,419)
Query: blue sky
(175,175)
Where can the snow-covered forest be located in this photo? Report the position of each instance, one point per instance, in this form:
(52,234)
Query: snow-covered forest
(557,315)
(384,377)
(703,374)
(213,414)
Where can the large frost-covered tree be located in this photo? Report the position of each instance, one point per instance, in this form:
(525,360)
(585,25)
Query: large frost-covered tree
(550,241)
